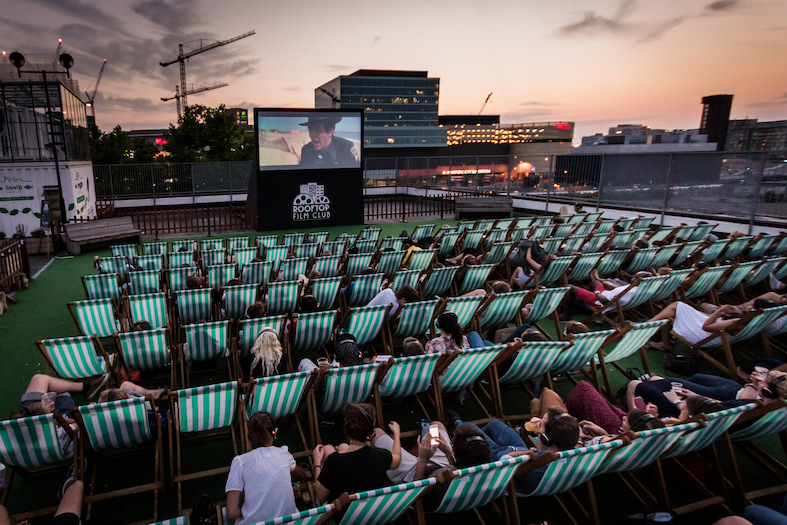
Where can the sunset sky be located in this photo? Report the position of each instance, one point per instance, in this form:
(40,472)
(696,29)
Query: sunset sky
(597,63)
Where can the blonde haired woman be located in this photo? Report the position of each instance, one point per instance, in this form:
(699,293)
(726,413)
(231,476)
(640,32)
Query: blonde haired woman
(266,354)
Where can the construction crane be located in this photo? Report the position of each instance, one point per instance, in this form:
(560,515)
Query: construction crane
(485,102)
(91,97)
(182,57)
(181,95)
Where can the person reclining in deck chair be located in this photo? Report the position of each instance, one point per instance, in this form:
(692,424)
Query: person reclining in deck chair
(526,259)
(605,290)
(68,510)
(693,325)
(405,294)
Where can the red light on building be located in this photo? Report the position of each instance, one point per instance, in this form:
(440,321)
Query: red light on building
(160,142)
(561,125)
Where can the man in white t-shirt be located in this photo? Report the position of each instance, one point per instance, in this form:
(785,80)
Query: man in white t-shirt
(406,294)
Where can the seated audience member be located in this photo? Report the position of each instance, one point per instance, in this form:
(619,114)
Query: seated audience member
(259,483)
(450,338)
(526,260)
(605,291)
(68,510)
(386,296)
(32,402)
(412,347)
(557,431)
(256,310)
(407,470)
(267,355)
(693,325)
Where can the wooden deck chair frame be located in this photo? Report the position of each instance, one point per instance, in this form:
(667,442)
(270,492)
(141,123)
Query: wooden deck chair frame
(381,506)
(122,351)
(115,294)
(118,322)
(97,348)
(405,378)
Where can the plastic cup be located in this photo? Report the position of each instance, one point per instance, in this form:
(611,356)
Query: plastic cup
(323,362)
(533,425)
(676,386)
(48,401)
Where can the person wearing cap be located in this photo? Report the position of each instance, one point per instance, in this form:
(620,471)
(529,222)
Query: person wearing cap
(326,150)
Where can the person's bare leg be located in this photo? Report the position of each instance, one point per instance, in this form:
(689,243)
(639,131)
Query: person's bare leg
(594,276)
(667,313)
(128,385)
(72,499)
(45,383)
(475,293)
(5,519)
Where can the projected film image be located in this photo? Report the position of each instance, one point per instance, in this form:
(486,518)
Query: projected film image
(308,139)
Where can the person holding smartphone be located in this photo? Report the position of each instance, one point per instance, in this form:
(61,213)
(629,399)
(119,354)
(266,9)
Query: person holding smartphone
(433,432)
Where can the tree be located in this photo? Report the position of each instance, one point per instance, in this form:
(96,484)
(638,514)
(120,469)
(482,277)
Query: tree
(116,147)
(207,134)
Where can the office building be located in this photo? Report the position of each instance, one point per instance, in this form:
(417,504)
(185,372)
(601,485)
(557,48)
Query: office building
(716,118)
(487,129)
(638,138)
(750,135)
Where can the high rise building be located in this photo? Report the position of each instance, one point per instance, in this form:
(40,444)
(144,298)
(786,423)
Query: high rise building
(716,118)
(400,107)
(750,135)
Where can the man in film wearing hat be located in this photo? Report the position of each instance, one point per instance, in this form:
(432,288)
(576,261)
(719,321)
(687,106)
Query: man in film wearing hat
(325,149)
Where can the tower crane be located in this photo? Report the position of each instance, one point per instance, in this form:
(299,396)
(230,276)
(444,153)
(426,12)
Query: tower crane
(91,97)
(183,56)
(485,102)
(181,95)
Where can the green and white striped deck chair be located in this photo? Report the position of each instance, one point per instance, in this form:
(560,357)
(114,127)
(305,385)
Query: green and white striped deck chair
(552,270)
(661,234)
(464,308)
(594,216)
(483,224)
(643,223)
(552,244)
(562,230)
(765,269)
(211,244)
(605,226)
(366,246)
(154,248)
(761,246)
(475,277)
(642,260)
(281,396)
(702,231)
(145,350)
(349,238)
(572,468)
(307,250)
(179,259)
(626,222)
(325,290)
(735,247)
(265,241)
(306,517)
(447,243)
(127,251)
(611,262)
(357,262)
(583,349)
(780,248)
(685,232)
(706,282)
(533,360)
(477,486)
(213,257)
(283,297)
(439,281)
(31,442)
(686,250)
(317,237)
(645,448)
(584,264)
(207,341)
(780,271)
(574,244)
(291,268)
(236,243)
(768,424)
(336,247)
(151,307)
(595,242)
(716,424)
(465,224)
(584,229)
(395,243)
(498,252)
(249,329)
(257,272)
(517,234)
(543,220)
(101,286)
(390,262)
(366,322)
(180,520)
(405,278)
(385,505)
(415,318)
(676,277)
(463,368)
(293,239)
(541,232)
(736,277)
(176,278)
(524,222)
(576,219)
(713,251)
(501,310)
(406,376)
(237,300)
(117,265)
(472,239)
(150,262)
(422,231)
(276,254)
(758,323)
(183,243)
(363,288)
(95,317)
(632,341)
(663,256)
(244,255)
(348,384)
(194,305)
(421,259)
(644,291)
(370,234)
(504,224)
(328,266)
(545,303)
(144,281)
(313,330)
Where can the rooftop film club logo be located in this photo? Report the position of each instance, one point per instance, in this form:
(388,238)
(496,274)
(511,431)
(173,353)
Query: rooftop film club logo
(311,203)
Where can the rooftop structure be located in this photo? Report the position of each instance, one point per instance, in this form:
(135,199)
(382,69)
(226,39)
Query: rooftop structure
(716,118)
(750,135)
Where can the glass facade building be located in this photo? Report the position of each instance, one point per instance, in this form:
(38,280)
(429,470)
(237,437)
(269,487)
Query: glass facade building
(400,107)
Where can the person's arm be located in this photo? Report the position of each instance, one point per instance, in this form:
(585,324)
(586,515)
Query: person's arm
(529,258)
(234,502)
(320,491)
(714,323)
(298,474)
(591,428)
(425,452)
(396,450)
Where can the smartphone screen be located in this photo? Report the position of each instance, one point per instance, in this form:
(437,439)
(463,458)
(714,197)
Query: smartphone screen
(434,432)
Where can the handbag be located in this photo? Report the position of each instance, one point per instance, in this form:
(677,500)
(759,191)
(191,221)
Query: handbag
(683,364)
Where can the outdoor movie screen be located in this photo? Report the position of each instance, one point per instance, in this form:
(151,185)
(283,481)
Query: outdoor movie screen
(308,139)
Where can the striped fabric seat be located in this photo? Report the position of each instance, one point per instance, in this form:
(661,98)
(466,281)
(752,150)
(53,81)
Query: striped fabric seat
(220,274)
(736,277)
(280,395)
(317,237)
(593,217)
(475,277)
(116,424)
(546,302)
(467,367)
(366,322)
(764,270)
(422,231)
(702,231)
(735,247)
(715,425)
(117,265)
(291,268)
(148,307)
(421,259)
(357,262)
(328,265)
(664,255)
(705,282)
(553,270)
(584,229)
(623,239)
(780,248)
(209,407)
(154,248)
(390,262)
(74,357)
(562,230)
(643,259)
(541,232)
(275,254)
(370,234)
(632,340)
(644,291)
(758,323)
(211,244)
(643,223)
(335,247)
(534,360)
(472,239)
(249,329)
(292,240)
(244,256)
(585,263)
(366,246)
(574,244)
(596,240)
(646,448)
(325,290)
(306,517)
(307,249)
(313,330)
(447,243)
(713,252)
(572,468)
(364,288)
(385,505)
(501,310)
(176,278)
(524,222)
(194,305)
(768,424)
(101,286)
(409,376)
(207,341)
(144,281)
(150,262)
(182,244)
(283,297)
(180,520)
(237,300)
(144,350)
(611,262)
(676,277)
(476,486)
(439,281)
(552,244)
(127,251)
(236,243)
(498,252)
(483,224)
(351,384)
(394,243)
(505,224)
(780,272)
(405,278)
(179,259)
(31,442)
(213,257)
(686,250)
(265,241)
(414,318)
(761,246)
(258,273)
(517,234)
(582,350)
(464,308)
(95,317)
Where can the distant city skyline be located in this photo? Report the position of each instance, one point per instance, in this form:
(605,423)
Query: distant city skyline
(597,64)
